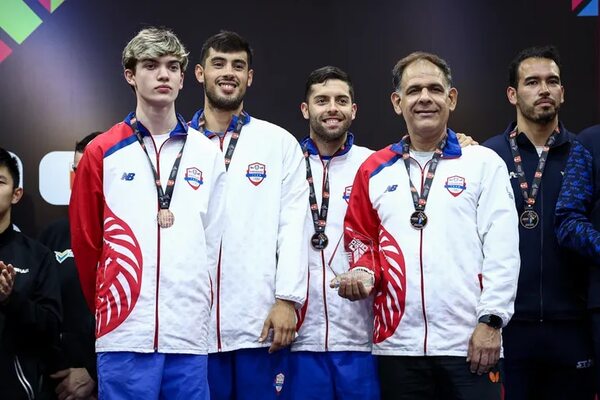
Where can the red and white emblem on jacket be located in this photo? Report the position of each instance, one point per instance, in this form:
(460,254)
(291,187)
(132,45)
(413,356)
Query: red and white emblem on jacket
(455,185)
(256,173)
(119,275)
(193,176)
(390,300)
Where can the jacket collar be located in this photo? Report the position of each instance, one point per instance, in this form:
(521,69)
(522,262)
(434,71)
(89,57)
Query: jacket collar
(310,146)
(564,136)
(180,128)
(451,149)
(197,123)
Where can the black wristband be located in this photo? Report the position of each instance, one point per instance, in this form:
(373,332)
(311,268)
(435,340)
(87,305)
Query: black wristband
(491,320)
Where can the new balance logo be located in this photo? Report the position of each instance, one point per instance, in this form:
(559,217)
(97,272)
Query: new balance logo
(128,176)
(391,188)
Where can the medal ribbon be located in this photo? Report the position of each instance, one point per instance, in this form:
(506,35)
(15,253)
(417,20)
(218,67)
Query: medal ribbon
(421,201)
(235,135)
(164,197)
(529,197)
(319,217)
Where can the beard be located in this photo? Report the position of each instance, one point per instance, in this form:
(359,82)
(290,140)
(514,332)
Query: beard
(542,117)
(327,135)
(224,103)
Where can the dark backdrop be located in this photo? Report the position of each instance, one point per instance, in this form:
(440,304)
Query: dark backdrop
(65,79)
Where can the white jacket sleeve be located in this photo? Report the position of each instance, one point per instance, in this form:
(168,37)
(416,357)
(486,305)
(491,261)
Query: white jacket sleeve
(497,224)
(292,244)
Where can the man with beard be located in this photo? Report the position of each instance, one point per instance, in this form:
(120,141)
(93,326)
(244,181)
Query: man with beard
(331,357)
(261,278)
(548,351)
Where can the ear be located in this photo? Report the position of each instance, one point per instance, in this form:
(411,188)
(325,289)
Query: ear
(181,82)
(17,194)
(354,109)
(304,109)
(453,98)
(250,77)
(562,94)
(511,94)
(395,98)
(199,72)
(129,77)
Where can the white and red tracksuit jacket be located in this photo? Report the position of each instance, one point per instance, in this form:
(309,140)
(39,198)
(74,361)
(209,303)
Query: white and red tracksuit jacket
(432,285)
(264,251)
(329,322)
(150,288)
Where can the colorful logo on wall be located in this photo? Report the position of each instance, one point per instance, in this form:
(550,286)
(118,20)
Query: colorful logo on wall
(585,8)
(19,21)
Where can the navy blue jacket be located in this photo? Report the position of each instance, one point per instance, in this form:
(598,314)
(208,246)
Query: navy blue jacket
(29,319)
(578,207)
(552,280)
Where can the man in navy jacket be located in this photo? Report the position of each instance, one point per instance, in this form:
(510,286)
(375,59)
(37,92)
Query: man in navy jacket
(548,344)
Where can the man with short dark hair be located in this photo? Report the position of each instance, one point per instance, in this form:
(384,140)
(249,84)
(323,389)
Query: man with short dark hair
(145,216)
(578,219)
(548,349)
(29,298)
(77,356)
(331,357)
(262,275)
(431,229)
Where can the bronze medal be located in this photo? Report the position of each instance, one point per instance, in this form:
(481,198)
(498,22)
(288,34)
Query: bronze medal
(319,241)
(165,218)
(529,219)
(418,220)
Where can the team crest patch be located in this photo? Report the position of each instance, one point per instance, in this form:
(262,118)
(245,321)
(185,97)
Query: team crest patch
(278,384)
(193,176)
(455,185)
(347,192)
(256,173)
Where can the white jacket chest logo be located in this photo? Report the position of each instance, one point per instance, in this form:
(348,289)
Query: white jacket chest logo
(193,176)
(455,185)
(256,173)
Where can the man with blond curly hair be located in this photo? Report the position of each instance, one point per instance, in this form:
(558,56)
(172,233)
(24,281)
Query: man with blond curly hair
(144,213)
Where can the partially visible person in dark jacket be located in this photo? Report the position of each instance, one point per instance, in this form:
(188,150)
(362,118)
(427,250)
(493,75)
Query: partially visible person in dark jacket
(77,356)
(29,298)
(578,218)
(548,344)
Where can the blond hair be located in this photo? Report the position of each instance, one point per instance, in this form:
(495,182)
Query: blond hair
(153,43)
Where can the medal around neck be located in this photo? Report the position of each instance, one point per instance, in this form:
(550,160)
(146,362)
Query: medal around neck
(418,220)
(319,241)
(529,219)
(165,218)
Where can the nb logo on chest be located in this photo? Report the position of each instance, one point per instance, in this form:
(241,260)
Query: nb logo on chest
(391,188)
(128,176)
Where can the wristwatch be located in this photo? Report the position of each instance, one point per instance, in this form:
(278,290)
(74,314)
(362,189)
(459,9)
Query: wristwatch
(491,320)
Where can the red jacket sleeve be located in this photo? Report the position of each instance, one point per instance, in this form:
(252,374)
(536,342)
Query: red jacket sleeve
(86,209)
(361,225)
